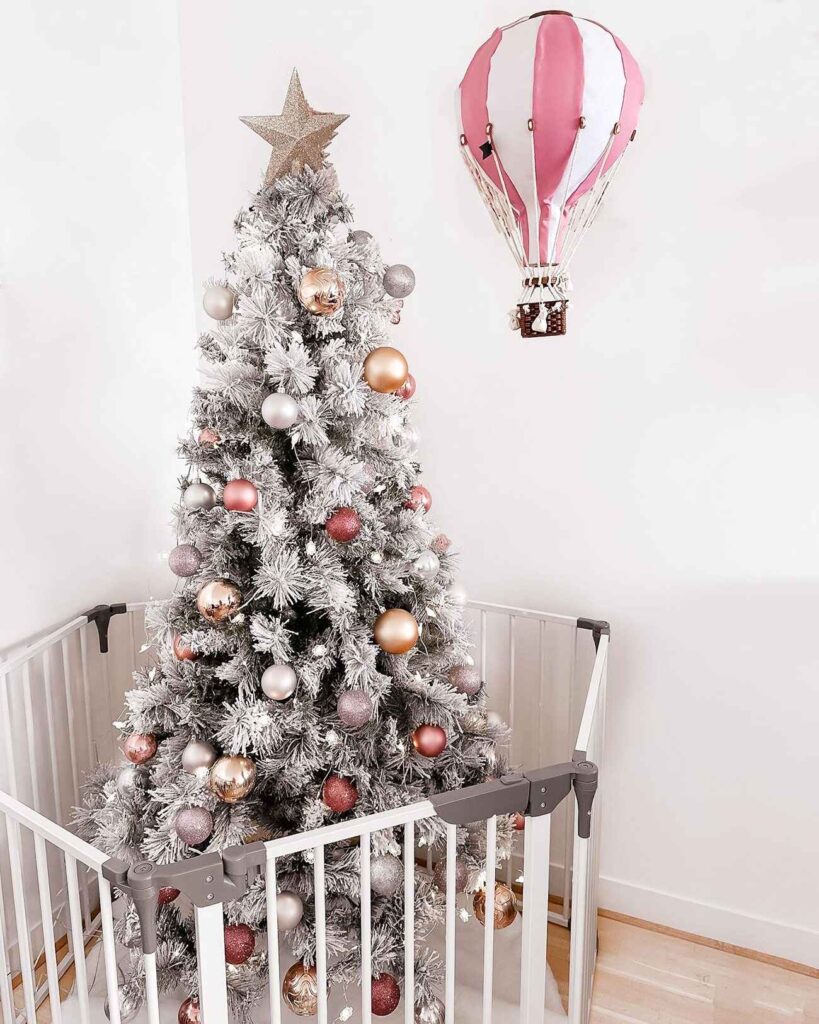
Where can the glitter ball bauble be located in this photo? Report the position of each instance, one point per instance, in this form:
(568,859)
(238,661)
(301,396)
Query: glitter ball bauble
(240,942)
(461,875)
(207,435)
(199,496)
(300,990)
(339,794)
(396,631)
(280,411)
(279,682)
(127,780)
(240,496)
(385,369)
(321,291)
(218,302)
(193,825)
(386,995)
(139,747)
(386,874)
(182,651)
(167,894)
(355,708)
(289,910)
(440,544)
(129,1005)
(505,911)
(399,281)
(232,777)
(419,497)
(185,560)
(519,822)
(426,565)
(466,679)
(218,600)
(360,237)
(189,1012)
(198,755)
(407,389)
(343,525)
(431,1013)
(429,740)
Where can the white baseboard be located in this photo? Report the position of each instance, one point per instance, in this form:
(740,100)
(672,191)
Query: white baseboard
(711,921)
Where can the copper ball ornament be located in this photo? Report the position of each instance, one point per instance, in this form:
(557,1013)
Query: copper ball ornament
(193,825)
(185,560)
(419,497)
(461,875)
(240,942)
(407,389)
(300,990)
(189,1012)
(396,631)
(232,777)
(429,740)
(321,291)
(339,794)
(240,496)
(440,544)
(505,911)
(207,435)
(219,600)
(289,910)
(279,682)
(218,302)
(385,369)
(343,525)
(280,411)
(466,679)
(199,497)
(181,650)
(198,756)
(139,747)
(386,995)
(355,708)
(167,894)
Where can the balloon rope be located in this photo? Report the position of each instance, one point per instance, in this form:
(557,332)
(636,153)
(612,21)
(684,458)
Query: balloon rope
(499,169)
(553,245)
(597,202)
(592,203)
(503,220)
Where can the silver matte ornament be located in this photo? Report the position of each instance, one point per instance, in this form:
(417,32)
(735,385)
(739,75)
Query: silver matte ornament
(399,281)
(355,708)
(184,560)
(199,496)
(465,679)
(280,411)
(127,780)
(198,756)
(426,565)
(360,237)
(218,302)
(461,875)
(279,682)
(193,825)
(289,910)
(431,1013)
(130,1004)
(386,874)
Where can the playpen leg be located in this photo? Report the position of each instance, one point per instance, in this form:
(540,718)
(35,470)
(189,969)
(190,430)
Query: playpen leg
(409,923)
(449,984)
(210,956)
(77,937)
(109,949)
(273,941)
(366,938)
(46,914)
(535,917)
(489,928)
(321,932)
(5,968)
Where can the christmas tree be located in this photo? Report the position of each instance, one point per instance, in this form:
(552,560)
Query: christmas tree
(312,662)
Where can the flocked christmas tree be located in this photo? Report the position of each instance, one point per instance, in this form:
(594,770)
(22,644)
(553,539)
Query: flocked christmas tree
(313,662)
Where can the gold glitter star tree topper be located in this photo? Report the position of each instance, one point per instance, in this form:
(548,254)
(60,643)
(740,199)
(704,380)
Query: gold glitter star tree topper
(299,135)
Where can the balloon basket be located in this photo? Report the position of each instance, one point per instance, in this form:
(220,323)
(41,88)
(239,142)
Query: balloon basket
(542,319)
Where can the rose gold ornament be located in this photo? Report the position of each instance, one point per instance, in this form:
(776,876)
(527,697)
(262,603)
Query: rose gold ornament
(240,942)
(232,777)
(419,497)
(189,1012)
(300,990)
(240,496)
(218,600)
(208,436)
(519,822)
(407,389)
(429,740)
(440,544)
(343,525)
(339,794)
(386,995)
(181,650)
(396,631)
(505,910)
(321,291)
(139,747)
(385,369)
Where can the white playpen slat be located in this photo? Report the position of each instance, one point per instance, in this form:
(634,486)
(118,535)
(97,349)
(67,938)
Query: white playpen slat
(52,736)
(152,988)
(449,959)
(273,939)
(89,731)
(568,821)
(489,925)
(366,930)
(47,914)
(34,772)
(109,949)
(6,994)
(535,917)
(210,958)
(71,719)
(21,915)
(77,938)
(409,923)
(321,931)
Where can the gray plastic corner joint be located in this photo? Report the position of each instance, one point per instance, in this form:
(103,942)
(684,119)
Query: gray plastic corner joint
(205,880)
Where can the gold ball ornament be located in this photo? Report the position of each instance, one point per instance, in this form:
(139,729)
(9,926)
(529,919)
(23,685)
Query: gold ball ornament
(396,631)
(321,291)
(219,600)
(505,910)
(232,777)
(385,369)
(300,990)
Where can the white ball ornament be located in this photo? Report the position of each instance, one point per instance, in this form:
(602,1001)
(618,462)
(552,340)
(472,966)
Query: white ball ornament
(127,780)
(386,874)
(198,756)
(279,682)
(199,496)
(218,302)
(426,565)
(289,910)
(280,411)
(130,1003)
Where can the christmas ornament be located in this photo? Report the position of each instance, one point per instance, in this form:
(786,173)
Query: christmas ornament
(505,911)
(355,708)
(126,780)
(386,874)
(193,825)
(360,237)
(367,477)
(199,496)
(280,411)
(429,740)
(289,910)
(185,560)
(457,595)
(218,600)
(208,436)
(321,291)
(396,631)
(218,302)
(299,135)
(129,1005)
(232,777)
(167,894)
(279,682)
(189,1012)
(343,525)
(519,822)
(431,1013)
(399,281)
(139,747)
(182,651)
(440,544)
(385,369)
(240,496)
(465,679)
(419,497)
(339,794)
(386,995)
(198,755)
(461,875)
(300,990)
(407,389)
(426,565)
(240,942)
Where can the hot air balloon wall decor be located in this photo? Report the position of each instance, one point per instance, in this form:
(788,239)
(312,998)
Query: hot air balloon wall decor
(548,108)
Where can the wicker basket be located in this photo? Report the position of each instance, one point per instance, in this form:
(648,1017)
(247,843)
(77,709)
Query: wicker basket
(555,318)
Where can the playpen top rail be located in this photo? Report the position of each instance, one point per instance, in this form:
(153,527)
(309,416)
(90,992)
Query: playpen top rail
(522,613)
(38,646)
(55,834)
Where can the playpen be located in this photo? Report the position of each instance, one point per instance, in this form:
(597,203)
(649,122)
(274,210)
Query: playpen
(546,676)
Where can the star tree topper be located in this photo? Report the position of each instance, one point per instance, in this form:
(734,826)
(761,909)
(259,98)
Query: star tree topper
(299,135)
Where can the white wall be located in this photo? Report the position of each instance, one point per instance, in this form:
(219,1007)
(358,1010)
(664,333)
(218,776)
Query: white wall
(96,331)
(656,466)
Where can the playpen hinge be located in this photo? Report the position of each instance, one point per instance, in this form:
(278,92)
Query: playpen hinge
(206,880)
(598,627)
(101,615)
